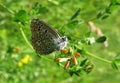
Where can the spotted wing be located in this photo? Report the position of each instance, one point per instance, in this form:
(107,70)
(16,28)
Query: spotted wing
(43,37)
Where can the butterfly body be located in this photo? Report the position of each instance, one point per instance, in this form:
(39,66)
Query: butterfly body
(45,39)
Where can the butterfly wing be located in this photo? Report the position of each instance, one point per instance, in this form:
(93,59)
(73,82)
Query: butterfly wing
(44,39)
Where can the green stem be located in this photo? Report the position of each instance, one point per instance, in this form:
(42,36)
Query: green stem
(97,57)
(44,57)
(7,8)
(24,36)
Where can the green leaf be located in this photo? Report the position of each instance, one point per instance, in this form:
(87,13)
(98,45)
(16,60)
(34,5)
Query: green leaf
(99,15)
(38,8)
(42,10)
(81,51)
(71,73)
(72,24)
(114,66)
(105,16)
(117,59)
(88,34)
(21,16)
(10,49)
(118,3)
(113,1)
(36,5)
(114,7)
(107,10)
(83,62)
(75,14)
(101,39)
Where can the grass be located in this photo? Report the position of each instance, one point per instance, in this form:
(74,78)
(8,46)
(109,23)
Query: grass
(13,47)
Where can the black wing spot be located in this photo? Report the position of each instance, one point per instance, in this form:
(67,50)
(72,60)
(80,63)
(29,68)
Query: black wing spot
(46,35)
(41,25)
(38,29)
(46,31)
(51,38)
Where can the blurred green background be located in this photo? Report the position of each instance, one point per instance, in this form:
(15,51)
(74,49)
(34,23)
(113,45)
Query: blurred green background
(19,64)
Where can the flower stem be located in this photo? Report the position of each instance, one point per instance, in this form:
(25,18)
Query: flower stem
(24,36)
(97,57)
(7,8)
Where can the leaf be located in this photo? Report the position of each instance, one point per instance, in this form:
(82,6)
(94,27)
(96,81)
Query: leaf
(88,34)
(114,7)
(10,49)
(107,10)
(99,15)
(105,16)
(81,51)
(71,73)
(113,1)
(72,23)
(42,10)
(38,8)
(75,14)
(36,5)
(101,39)
(83,63)
(114,66)
(117,4)
(117,59)
(21,16)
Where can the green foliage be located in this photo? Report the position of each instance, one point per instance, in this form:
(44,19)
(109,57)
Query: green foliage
(116,62)
(38,8)
(114,65)
(72,24)
(75,14)
(20,64)
(113,5)
(21,16)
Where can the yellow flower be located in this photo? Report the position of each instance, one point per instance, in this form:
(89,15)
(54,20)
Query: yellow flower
(20,64)
(24,60)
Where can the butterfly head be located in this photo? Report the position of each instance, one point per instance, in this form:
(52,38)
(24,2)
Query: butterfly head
(62,43)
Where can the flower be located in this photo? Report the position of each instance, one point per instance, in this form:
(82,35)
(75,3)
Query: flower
(20,64)
(25,60)
(77,54)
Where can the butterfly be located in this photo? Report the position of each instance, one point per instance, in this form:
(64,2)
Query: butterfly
(45,39)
